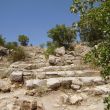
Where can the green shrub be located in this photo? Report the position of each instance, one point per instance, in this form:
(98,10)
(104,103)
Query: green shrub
(107,103)
(100,56)
(18,55)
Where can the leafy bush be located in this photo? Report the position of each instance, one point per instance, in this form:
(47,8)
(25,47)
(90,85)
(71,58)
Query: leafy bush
(100,56)
(62,35)
(2,41)
(23,39)
(107,103)
(18,55)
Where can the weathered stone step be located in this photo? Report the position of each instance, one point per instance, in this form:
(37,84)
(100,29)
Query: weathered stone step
(27,65)
(33,74)
(98,90)
(63,68)
(74,73)
(54,83)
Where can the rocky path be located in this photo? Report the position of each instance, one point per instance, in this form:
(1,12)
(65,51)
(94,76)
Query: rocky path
(36,85)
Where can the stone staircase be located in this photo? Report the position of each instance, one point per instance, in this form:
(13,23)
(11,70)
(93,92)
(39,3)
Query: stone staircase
(71,86)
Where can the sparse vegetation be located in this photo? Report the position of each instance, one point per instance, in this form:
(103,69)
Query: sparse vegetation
(2,40)
(11,45)
(17,55)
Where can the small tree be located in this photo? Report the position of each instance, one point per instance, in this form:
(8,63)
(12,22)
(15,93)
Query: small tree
(62,35)
(23,39)
(2,41)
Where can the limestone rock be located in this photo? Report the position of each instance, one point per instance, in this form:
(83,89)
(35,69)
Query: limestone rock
(53,60)
(16,76)
(5,86)
(30,84)
(60,51)
(64,99)
(75,87)
(53,83)
(99,90)
(75,99)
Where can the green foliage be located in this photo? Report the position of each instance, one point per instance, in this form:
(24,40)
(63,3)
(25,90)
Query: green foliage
(18,55)
(100,56)
(11,45)
(107,103)
(51,46)
(83,6)
(90,57)
(23,39)
(62,35)
(94,25)
(2,41)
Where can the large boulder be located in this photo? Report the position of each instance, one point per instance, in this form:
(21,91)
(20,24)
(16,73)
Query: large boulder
(16,76)
(60,51)
(53,60)
(53,83)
